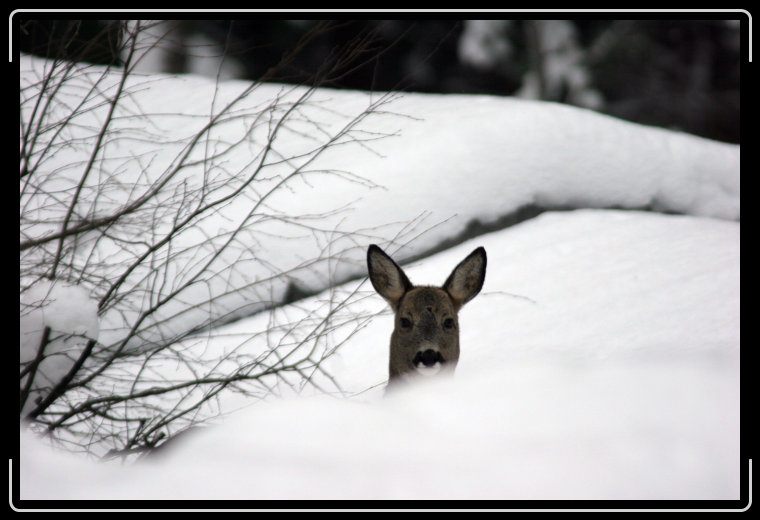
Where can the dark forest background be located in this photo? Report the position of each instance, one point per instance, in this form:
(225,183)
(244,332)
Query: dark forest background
(678,74)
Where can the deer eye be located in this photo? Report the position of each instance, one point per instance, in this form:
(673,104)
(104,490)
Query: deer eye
(405,323)
(448,323)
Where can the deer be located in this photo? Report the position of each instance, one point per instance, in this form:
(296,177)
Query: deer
(425,338)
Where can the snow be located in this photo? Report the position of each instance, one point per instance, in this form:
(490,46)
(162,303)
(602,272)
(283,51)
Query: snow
(425,167)
(483,44)
(530,431)
(72,317)
(600,361)
(613,373)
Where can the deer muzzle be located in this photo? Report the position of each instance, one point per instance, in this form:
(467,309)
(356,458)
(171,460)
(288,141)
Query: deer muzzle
(428,362)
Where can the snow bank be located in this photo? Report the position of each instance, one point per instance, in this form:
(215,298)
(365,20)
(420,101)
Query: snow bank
(600,361)
(72,317)
(528,431)
(418,163)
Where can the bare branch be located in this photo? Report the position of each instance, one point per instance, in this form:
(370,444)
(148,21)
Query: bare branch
(140,230)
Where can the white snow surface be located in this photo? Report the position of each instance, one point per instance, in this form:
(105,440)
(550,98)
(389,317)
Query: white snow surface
(600,361)
(72,317)
(425,162)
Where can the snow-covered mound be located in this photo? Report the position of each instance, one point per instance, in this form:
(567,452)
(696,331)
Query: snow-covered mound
(411,163)
(528,431)
(72,317)
(600,361)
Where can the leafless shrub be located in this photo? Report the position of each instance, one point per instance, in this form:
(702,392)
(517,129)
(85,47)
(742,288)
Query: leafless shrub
(112,203)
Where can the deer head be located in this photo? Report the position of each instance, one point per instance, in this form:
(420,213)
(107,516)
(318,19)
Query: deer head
(425,339)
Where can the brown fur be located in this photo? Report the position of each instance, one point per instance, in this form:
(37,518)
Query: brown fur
(425,317)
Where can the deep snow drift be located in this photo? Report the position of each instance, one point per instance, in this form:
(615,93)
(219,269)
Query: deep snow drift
(601,359)
(415,171)
(610,370)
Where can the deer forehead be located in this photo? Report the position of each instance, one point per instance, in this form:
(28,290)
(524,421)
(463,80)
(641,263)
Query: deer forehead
(419,299)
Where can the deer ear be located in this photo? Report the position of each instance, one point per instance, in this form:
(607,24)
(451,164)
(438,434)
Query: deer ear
(467,278)
(386,276)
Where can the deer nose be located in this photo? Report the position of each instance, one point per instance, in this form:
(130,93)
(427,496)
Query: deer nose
(428,358)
